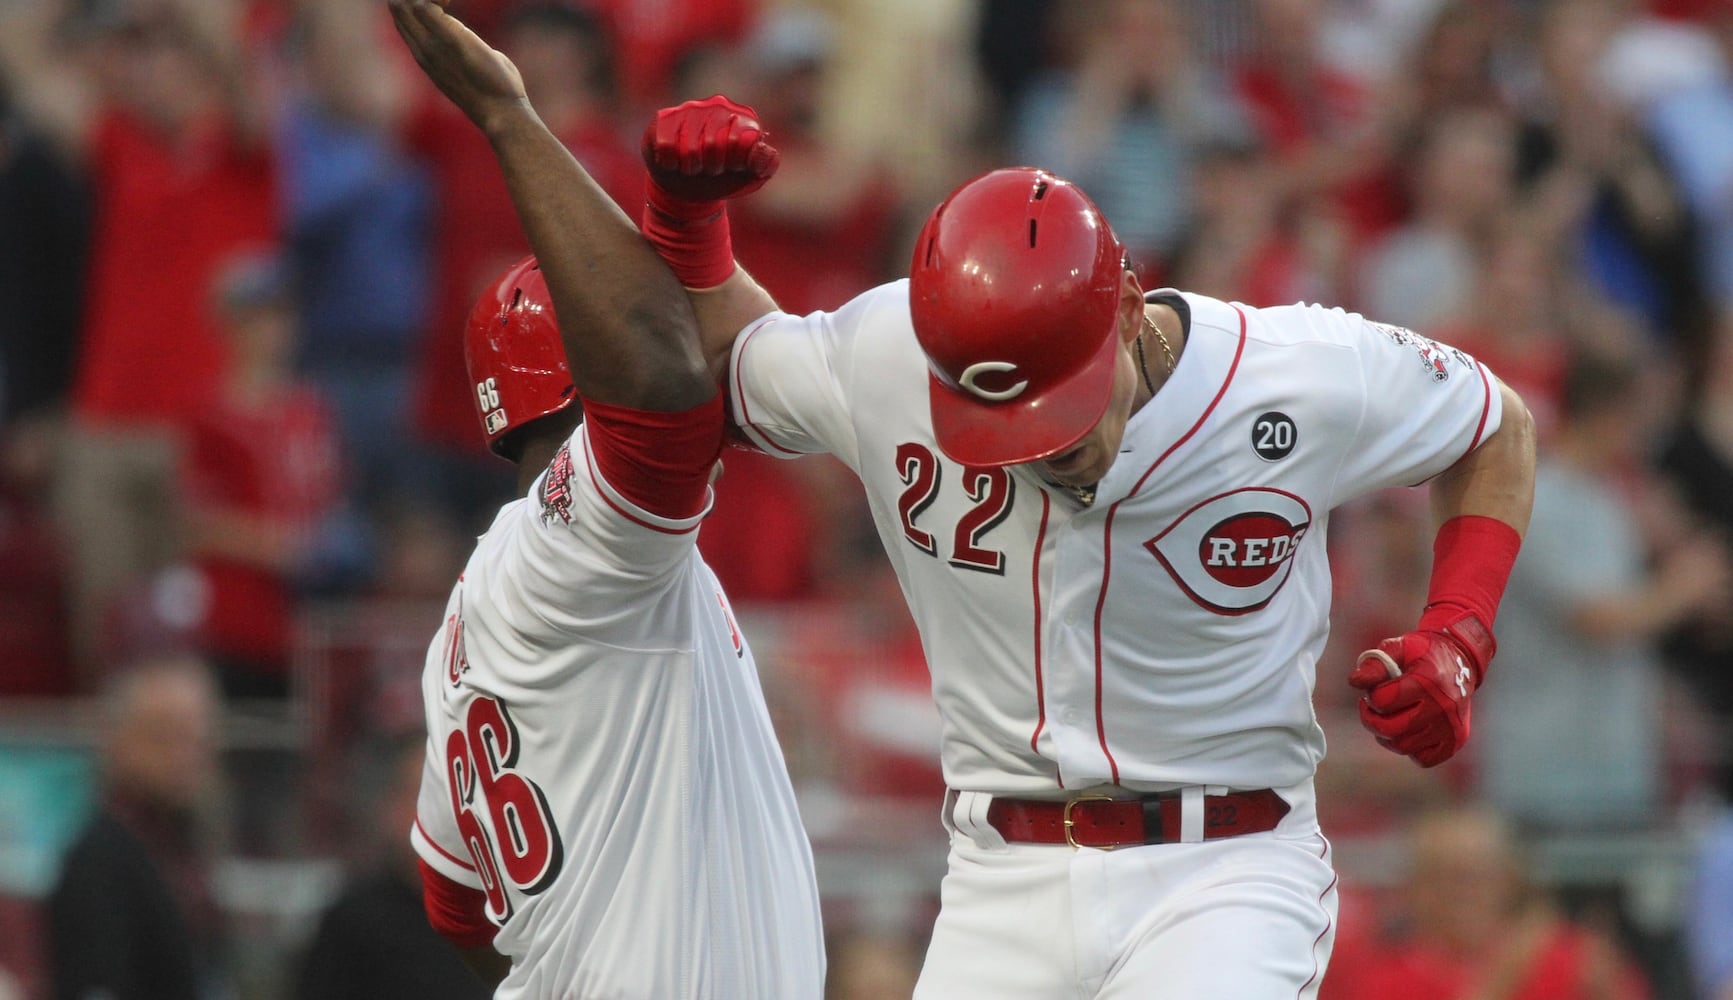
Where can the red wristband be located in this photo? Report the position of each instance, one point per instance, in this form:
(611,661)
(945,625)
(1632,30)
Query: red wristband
(691,236)
(1472,557)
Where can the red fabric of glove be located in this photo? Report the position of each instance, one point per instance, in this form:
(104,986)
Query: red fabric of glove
(1418,685)
(698,154)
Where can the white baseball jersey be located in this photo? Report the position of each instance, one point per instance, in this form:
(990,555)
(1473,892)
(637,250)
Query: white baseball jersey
(601,762)
(1168,634)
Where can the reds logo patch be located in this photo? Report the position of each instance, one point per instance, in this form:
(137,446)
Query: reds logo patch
(1231,553)
(557,487)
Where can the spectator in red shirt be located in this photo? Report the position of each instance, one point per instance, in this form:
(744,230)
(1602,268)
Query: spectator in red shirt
(156,108)
(1473,930)
(261,468)
(1512,321)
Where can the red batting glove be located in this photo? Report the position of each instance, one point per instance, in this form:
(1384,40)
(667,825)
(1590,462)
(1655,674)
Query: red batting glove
(1418,685)
(704,151)
(699,154)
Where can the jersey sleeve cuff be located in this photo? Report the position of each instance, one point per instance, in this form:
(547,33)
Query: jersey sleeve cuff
(657,462)
(746,433)
(442,861)
(625,507)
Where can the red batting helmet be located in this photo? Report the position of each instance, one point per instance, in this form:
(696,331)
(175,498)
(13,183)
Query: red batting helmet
(512,348)
(1014,294)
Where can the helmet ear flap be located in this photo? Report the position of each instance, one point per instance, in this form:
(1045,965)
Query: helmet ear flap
(514,355)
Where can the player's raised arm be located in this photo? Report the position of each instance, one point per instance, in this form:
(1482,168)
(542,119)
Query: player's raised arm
(699,155)
(629,331)
(1418,684)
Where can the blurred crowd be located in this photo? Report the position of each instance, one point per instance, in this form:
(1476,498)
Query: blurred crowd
(238,239)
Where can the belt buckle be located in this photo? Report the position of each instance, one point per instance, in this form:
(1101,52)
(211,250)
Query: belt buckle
(1070,824)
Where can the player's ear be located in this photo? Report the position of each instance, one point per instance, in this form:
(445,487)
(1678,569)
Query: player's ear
(1130,305)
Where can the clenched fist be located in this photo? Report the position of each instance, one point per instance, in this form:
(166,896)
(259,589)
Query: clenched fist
(709,150)
(1418,687)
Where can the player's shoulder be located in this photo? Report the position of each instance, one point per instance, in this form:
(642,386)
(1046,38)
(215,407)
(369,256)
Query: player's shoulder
(888,299)
(874,320)
(878,312)
(1237,327)
(1299,323)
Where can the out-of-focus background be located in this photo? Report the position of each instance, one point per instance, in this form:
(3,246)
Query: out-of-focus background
(240,468)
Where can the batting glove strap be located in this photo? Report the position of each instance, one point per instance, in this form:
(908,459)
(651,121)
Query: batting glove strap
(1473,637)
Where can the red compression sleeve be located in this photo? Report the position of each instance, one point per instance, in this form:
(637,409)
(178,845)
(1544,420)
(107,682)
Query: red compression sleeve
(455,910)
(659,461)
(691,236)
(1471,561)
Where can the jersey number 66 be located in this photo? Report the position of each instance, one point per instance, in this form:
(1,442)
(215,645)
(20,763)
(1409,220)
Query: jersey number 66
(517,840)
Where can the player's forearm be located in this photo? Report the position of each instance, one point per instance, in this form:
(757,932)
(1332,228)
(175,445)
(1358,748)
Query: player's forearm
(1496,479)
(724,311)
(621,310)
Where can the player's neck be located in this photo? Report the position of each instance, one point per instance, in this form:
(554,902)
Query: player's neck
(1160,344)
(538,454)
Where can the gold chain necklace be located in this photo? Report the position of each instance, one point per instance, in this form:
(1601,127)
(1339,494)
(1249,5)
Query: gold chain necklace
(1166,353)
(1084,495)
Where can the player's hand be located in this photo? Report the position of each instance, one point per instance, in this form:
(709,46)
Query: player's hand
(1418,687)
(705,151)
(478,78)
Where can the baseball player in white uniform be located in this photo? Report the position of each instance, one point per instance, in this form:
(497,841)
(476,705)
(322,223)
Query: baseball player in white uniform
(1108,512)
(605,812)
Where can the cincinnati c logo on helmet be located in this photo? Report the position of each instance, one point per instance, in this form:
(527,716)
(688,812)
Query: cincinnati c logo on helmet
(970,374)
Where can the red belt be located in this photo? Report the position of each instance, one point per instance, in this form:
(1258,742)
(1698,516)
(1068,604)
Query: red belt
(1108,823)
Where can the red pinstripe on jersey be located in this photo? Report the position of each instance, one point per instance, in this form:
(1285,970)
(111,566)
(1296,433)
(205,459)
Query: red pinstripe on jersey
(447,855)
(1107,534)
(1485,407)
(1479,428)
(1327,921)
(1035,593)
(758,439)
